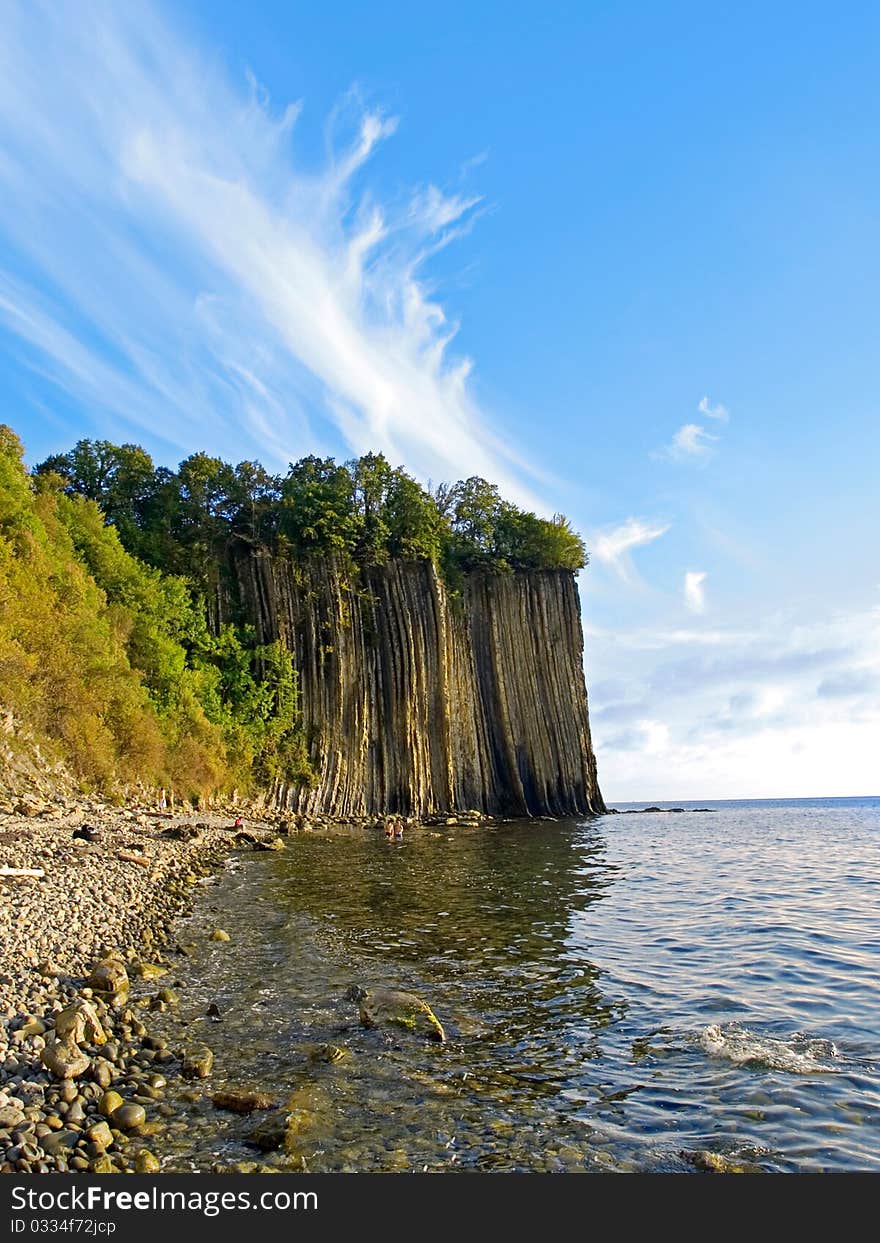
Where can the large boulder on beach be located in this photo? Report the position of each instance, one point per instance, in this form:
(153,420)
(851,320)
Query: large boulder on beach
(109,977)
(381,1007)
(77,1024)
(80,1024)
(64,1058)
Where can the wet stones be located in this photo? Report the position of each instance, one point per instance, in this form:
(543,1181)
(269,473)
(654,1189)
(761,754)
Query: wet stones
(147,970)
(99,1133)
(270,1133)
(60,1142)
(109,1103)
(102,1072)
(328,1053)
(197,1062)
(129,1117)
(219,934)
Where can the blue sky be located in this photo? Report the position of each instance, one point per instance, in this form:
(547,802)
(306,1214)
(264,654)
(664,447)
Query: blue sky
(621,258)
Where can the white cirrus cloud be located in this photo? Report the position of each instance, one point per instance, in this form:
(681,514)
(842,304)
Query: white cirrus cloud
(613,545)
(694,591)
(691,441)
(173,263)
(719,412)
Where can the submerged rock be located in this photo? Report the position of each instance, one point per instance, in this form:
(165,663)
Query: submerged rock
(269,1133)
(242,1101)
(328,1053)
(198,1061)
(147,970)
(718,1163)
(381,1007)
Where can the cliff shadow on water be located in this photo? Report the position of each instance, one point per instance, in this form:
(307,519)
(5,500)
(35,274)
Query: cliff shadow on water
(417,700)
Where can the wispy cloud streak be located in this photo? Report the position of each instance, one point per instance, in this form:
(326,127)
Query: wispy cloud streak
(613,545)
(694,591)
(719,412)
(167,258)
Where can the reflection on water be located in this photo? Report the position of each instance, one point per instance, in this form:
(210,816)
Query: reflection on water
(615,993)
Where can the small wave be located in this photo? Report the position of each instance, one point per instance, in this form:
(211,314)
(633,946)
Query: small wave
(797,1055)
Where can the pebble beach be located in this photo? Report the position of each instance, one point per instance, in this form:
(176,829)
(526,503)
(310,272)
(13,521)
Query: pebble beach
(106,883)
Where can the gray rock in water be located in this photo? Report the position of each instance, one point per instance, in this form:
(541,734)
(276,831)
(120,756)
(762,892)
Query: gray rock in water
(718,1163)
(380,1007)
(240,1101)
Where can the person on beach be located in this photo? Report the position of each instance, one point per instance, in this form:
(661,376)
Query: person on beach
(389,829)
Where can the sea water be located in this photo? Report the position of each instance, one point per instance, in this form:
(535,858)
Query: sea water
(619,993)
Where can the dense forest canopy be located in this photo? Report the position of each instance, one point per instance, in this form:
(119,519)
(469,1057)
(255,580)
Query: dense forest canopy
(364,510)
(110,662)
(110,652)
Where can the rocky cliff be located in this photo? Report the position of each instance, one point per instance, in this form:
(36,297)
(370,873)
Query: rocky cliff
(416,700)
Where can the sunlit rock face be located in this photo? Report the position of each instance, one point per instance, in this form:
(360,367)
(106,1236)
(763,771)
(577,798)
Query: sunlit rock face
(419,700)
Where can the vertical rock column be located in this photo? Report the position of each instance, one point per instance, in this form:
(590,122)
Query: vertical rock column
(417,702)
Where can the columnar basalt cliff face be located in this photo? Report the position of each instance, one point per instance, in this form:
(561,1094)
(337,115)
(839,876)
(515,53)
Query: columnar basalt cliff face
(418,701)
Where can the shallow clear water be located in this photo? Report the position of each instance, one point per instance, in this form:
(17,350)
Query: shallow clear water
(615,992)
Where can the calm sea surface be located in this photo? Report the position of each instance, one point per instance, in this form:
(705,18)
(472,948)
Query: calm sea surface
(616,993)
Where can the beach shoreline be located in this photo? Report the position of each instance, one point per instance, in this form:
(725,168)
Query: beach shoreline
(84,884)
(114,896)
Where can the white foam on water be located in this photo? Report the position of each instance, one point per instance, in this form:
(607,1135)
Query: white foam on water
(797,1055)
